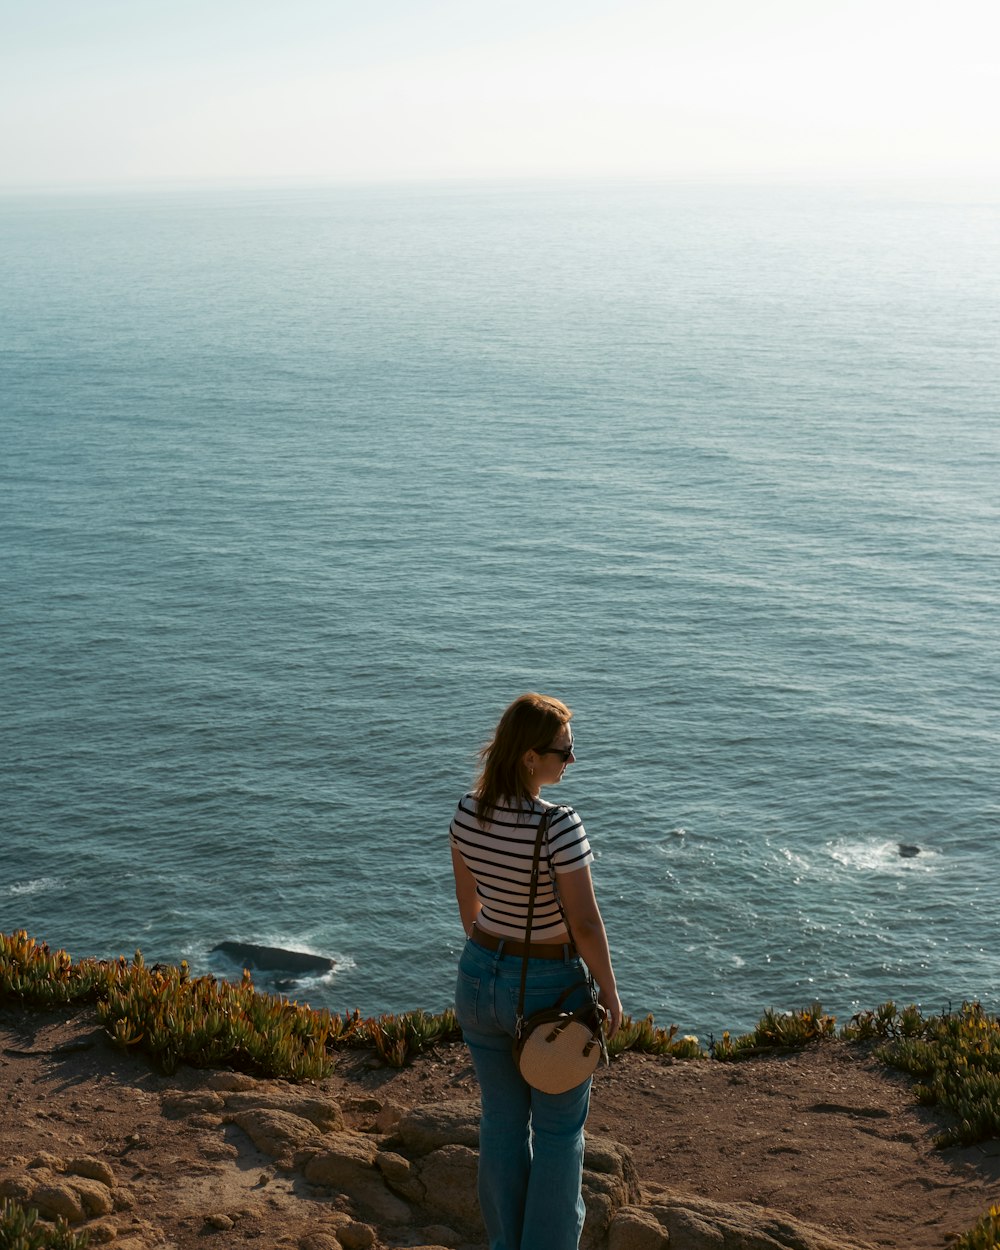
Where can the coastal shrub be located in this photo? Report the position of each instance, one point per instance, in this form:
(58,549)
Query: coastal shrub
(884,1022)
(399,1038)
(176,1018)
(207,1023)
(34,976)
(984,1235)
(956,1061)
(776,1031)
(20,1229)
(645,1037)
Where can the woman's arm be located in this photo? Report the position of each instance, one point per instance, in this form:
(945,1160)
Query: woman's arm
(576,890)
(465,891)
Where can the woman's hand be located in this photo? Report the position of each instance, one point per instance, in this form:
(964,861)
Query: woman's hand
(612,1004)
(465,891)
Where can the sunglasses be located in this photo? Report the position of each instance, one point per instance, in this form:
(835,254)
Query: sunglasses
(564,752)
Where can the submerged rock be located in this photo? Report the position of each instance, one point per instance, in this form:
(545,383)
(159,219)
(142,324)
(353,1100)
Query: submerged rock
(273,958)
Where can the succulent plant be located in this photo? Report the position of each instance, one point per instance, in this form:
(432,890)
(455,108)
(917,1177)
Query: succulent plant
(956,1058)
(984,1235)
(21,1229)
(777,1031)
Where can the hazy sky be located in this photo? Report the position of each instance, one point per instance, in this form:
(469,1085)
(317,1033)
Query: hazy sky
(95,91)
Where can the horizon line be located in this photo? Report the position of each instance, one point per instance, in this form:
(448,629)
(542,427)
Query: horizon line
(264,182)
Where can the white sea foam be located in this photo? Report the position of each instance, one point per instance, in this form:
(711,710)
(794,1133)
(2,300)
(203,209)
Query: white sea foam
(879,855)
(798,862)
(38,885)
(716,956)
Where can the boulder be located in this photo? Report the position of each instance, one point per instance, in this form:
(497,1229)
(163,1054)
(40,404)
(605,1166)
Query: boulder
(609,1169)
(18,1188)
(357,1236)
(448,1176)
(275,1133)
(372,1114)
(101,1233)
(347,1165)
(347,1158)
(610,1182)
(401,1176)
(324,1237)
(44,1160)
(221,1222)
(442,1178)
(324,1113)
(230,1081)
(319,1241)
(273,958)
(632,1228)
(54,1198)
(389,1117)
(74,1198)
(179,1105)
(692,1223)
(94,1196)
(441,1235)
(372,1199)
(611,1158)
(95,1169)
(438,1124)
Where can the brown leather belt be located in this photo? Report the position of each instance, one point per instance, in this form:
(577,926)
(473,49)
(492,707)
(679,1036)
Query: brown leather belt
(535,951)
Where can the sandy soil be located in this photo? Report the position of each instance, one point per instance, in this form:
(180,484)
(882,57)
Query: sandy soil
(827,1135)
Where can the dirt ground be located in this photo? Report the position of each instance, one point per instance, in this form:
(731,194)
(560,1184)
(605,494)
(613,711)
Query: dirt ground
(827,1135)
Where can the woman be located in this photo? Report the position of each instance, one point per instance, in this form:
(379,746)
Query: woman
(530,1143)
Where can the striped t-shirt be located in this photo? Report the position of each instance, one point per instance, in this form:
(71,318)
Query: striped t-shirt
(499,857)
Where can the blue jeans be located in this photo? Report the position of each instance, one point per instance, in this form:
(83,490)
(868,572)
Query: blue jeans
(530,1143)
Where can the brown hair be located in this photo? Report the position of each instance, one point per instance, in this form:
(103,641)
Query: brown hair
(531,721)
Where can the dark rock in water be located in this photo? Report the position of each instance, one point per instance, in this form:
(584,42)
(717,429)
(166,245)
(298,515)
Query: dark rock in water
(907,850)
(272,958)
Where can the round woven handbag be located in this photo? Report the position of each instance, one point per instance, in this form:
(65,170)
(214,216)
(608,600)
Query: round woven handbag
(557,1050)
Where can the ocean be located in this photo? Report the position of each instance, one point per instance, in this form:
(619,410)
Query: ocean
(301,486)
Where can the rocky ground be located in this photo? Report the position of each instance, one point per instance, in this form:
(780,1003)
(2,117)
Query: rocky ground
(821,1150)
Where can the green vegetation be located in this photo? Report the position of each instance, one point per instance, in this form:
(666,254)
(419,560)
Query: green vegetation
(208,1024)
(884,1022)
(776,1032)
(955,1056)
(645,1037)
(956,1059)
(985,1235)
(173,1017)
(176,1018)
(21,1230)
(399,1038)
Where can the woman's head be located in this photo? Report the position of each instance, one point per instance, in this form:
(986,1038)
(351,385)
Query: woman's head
(531,746)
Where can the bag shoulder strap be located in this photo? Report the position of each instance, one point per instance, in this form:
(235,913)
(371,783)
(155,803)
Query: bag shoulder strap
(552,876)
(543,826)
